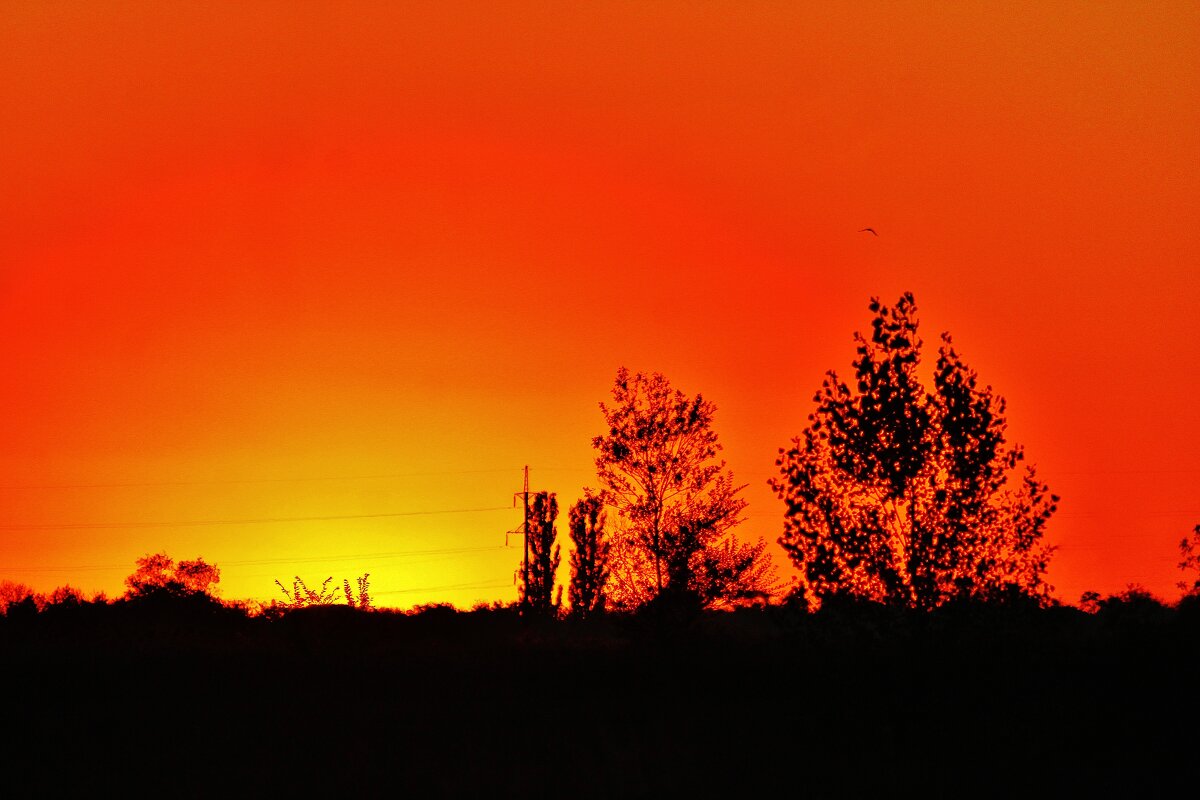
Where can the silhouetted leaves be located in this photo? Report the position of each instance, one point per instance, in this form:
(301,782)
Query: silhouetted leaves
(363,601)
(12,592)
(539,594)
(675,502)
(303,597)
(158,573)
(589,558)
(1189,551)
(903,495)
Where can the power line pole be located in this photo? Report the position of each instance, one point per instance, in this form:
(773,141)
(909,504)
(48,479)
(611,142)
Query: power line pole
(524,533)
(525,530)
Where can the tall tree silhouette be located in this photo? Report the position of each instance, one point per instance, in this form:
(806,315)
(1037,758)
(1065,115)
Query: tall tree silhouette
(589,558)
(909,496)
(677,503)
(540,595)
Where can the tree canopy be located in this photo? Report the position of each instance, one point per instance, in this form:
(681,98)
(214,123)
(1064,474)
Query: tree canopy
(589,557)
(539,594)
(676,502)
(160,573)
(908,496)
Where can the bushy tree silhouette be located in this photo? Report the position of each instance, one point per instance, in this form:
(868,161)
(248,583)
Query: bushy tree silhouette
(12,593)
(589,559)
(676,502)
(65,597)
(902,495)
(540,595)
(159,574)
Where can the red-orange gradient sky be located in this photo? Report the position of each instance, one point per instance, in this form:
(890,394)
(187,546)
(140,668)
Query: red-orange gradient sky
(280,260)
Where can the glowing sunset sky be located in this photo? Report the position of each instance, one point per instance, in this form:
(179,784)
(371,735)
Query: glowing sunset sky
(274,261)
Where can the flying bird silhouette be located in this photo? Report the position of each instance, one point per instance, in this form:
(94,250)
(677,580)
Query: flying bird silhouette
(872,230)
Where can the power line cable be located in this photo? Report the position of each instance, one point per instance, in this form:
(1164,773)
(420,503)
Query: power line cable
(263,562)
(440,551)
(231,481)
(72,526)
(447,587)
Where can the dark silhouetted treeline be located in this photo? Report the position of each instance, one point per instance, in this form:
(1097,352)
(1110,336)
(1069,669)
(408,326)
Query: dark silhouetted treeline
(180,695)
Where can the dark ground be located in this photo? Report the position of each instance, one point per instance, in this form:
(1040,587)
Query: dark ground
(187,699)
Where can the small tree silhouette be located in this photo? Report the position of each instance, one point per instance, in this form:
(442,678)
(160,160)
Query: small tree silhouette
(589,559)
(539,595)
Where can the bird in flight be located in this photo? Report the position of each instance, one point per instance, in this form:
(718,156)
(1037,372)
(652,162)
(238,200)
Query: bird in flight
(872,230)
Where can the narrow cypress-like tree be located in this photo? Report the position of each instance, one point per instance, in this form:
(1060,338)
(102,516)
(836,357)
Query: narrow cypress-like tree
(539,595)
(589,560)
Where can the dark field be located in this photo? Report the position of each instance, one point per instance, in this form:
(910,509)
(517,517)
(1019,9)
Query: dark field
(190,699)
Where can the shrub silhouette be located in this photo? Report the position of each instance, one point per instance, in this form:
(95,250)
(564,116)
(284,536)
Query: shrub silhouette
(303,597)
(363,601)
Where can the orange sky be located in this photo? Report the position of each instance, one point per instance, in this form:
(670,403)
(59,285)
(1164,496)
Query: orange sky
(306,260)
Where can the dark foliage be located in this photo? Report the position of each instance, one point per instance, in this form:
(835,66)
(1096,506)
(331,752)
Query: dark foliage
(589,558)
(363,601)
(908,496)
(301,596)
(1189,552)
(159,574)
(676,503)
(540,596)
